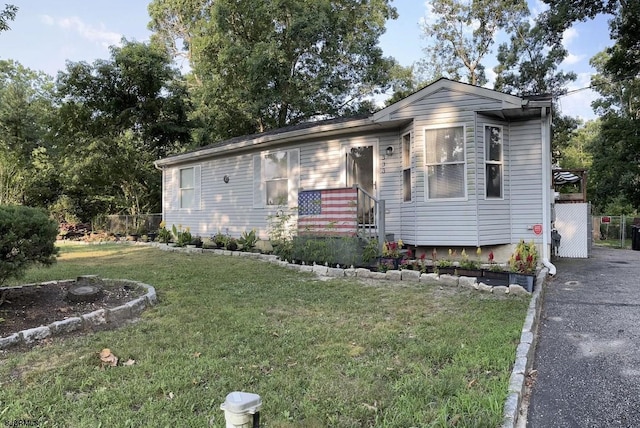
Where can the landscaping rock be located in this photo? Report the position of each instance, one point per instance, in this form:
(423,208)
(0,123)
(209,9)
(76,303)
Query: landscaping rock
(335,272)
(119,314)
(410,275)
(351,272)
(449,280)
(95,318)
(518,290)
(500,289)
(467,282)
(377,275)
(484,287)
(8,341)
(320,269)
(33,334)
(429,277)
(66,326)
(306,268)
(394,275)
(137,306)
(363,273)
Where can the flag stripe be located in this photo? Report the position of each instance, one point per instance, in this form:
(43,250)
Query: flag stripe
(328,211)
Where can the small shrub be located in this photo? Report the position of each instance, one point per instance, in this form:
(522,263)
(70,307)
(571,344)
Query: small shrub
(27,236)
(248,240)
(232,244)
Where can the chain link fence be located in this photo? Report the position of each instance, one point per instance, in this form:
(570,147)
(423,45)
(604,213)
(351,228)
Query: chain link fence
(614,230)
(123,225)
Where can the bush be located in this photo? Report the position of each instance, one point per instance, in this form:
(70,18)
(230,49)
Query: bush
(27,236)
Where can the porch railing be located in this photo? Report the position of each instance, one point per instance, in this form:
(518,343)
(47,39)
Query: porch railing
(371,217)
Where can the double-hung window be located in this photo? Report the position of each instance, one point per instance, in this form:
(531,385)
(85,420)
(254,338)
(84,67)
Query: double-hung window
(445,162)
(276,178)
(493,161)
(406,167)
(187,187)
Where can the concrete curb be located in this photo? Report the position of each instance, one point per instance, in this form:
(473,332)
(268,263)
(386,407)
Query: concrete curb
(102,317)
(524,354)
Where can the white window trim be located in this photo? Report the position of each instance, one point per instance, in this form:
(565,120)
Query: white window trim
(293,178)
(487,162)
(196,187)
(409,166)
(426,164)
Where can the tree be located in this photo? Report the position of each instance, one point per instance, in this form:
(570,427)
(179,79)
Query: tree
(26,109)
(267,64)
(462,34)
(116,117)
(7,14)
(528,66)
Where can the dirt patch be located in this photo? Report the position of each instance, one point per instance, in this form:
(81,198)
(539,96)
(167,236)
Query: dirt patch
(40,305)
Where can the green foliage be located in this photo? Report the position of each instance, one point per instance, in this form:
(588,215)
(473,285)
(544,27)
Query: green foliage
(248,240)
(525,258)
(231,244)
(182,237)
(7,14)
(27,172)
(452,50)
(371,251)
(529,66)
(116,117)
(220,239)
(281,232)
(260,65)
(164,235)
(331,250)
(27,237)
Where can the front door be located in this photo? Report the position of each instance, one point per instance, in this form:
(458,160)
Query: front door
(359,166)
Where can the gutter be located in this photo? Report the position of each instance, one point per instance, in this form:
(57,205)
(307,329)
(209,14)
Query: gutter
(546,190)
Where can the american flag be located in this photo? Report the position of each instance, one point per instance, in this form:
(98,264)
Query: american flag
(332,211)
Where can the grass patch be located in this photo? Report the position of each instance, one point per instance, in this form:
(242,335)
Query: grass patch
(338,353)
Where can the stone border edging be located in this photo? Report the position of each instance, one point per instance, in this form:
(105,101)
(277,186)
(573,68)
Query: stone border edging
(391,275)
(525,353)
(117,315)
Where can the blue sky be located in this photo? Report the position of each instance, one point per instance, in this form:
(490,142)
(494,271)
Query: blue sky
(46,33)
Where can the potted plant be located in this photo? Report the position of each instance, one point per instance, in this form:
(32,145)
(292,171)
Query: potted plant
(196,241)
(164,235)
(232,244)
(523,264)
(469,267)
(446,266)
(248,240)
(392,252)
(220,240)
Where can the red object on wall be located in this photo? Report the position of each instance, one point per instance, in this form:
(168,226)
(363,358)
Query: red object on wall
(606,219)
(537,229)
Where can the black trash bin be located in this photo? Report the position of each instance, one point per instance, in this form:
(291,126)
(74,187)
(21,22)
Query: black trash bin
(635,238)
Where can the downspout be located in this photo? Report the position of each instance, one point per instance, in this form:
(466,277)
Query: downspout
(546,192)
(161,169)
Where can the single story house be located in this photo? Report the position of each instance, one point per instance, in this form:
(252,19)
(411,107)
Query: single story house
(450,166)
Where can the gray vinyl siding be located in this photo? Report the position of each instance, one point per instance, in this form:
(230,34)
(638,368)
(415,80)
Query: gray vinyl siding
(525,176)
(447,222)
(494,215)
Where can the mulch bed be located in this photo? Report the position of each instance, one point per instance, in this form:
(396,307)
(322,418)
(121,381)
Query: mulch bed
(41,305)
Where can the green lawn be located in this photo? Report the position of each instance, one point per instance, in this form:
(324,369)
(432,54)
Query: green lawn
(339,353)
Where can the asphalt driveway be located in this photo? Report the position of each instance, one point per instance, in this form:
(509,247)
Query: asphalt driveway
(588,352)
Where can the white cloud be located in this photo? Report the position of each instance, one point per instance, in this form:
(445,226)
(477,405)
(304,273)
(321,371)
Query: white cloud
(578,102)
(98,35)
(572,59)
(429,17)
(568,36)
(47,20)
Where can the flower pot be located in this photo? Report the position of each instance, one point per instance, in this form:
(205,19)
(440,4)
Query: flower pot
(477,273)
(495,274)
(523,279)
(450,270)
(390,261)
